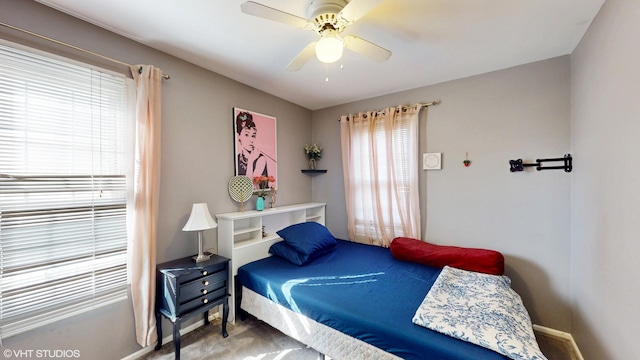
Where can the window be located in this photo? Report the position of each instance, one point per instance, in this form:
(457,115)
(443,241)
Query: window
(390,176)
(63,189)
(380,150)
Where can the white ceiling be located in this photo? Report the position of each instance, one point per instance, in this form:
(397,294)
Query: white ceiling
(432,40)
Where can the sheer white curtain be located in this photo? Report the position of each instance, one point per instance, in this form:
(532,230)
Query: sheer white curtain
(380,166)
(142,264)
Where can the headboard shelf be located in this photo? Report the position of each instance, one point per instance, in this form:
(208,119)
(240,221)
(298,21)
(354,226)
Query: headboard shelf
(247,236)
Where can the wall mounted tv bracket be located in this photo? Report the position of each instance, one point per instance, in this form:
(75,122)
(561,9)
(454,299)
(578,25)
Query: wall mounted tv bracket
(518,165)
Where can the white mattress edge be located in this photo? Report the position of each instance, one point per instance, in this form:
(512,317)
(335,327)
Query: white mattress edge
(320,337)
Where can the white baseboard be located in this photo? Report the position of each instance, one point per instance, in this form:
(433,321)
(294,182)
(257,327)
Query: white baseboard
(169,338)
(559,334)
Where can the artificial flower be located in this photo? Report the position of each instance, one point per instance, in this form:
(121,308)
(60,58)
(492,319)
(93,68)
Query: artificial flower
(313,151)
(261,183)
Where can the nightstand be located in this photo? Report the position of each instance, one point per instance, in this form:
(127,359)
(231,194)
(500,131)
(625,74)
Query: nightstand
(185,288)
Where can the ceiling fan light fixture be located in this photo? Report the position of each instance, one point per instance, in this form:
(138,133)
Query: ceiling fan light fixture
(329,49)
(329,19)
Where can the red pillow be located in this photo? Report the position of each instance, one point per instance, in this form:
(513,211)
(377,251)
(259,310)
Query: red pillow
(478,260)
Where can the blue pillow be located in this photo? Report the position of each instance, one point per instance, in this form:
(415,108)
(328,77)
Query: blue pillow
(308,237)
(285,251)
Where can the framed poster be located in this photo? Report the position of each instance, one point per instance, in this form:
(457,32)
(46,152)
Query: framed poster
(255,147)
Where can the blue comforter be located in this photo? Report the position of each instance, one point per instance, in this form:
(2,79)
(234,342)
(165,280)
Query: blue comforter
(362,291)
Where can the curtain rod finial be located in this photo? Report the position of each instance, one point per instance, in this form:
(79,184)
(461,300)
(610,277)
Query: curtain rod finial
(436,102)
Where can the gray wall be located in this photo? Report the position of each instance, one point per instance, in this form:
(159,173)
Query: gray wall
(521,112)
(197,159)
(605,197)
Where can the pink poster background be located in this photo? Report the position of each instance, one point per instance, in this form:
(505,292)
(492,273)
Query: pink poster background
(265,141)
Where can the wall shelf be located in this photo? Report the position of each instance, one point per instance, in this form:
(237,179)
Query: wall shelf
(313,171)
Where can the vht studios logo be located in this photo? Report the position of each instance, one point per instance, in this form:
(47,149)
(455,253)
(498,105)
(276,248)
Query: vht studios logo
(41,354)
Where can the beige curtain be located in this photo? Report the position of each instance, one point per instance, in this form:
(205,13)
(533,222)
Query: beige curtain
(380,166)
(142,264)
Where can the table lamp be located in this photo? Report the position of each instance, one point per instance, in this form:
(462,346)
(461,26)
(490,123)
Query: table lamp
(200,220)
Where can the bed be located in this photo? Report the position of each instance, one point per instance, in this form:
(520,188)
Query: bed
(354,302)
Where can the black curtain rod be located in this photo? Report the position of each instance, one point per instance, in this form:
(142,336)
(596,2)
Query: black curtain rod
(164,76)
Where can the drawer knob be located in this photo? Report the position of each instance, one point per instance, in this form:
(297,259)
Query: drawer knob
(204,291)
(204,272)
(205,283)
(205,301)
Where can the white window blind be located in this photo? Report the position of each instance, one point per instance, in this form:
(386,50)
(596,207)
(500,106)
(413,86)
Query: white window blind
(63,240)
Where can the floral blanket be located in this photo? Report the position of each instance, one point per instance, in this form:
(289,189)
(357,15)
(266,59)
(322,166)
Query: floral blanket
(481,309)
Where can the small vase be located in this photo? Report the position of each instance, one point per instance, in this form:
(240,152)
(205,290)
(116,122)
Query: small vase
(312,164)
(260,203)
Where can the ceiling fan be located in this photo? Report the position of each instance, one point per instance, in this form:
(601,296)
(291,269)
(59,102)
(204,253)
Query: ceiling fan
(329,19)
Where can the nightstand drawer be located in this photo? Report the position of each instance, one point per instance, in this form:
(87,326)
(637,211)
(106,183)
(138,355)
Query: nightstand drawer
(203,300)
(202,286)
(205,271)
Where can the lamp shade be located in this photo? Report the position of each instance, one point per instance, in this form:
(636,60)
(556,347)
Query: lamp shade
(200,219)
(329,49)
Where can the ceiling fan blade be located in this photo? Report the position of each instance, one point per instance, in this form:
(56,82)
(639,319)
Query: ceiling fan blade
(355,9)
(366,48)
(298,62)
(259,10)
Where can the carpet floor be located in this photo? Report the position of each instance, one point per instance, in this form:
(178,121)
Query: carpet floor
(254,340)
(248,340)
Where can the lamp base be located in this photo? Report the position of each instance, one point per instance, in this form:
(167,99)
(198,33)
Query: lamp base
(201,258)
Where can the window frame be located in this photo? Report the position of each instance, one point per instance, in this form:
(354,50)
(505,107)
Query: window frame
(105,286)
(364,225)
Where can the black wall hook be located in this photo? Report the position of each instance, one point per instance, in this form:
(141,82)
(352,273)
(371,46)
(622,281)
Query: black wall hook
(518,165)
